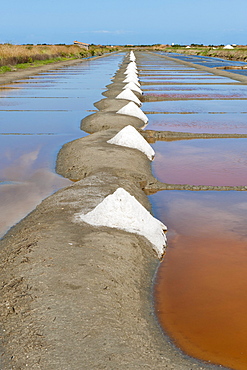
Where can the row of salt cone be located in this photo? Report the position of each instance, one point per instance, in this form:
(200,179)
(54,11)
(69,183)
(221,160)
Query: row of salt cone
(120,209)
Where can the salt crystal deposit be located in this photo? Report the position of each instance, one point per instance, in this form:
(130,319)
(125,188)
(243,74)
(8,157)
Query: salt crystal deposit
(132,86)
(131,109)
(229,47)
(131,66)
(132,57)
(132,75)
(122,211)
(130,70)
(132,79)
(129,95)
(131,138)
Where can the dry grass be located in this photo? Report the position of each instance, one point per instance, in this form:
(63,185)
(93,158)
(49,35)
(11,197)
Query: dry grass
(17,54)
(238,53)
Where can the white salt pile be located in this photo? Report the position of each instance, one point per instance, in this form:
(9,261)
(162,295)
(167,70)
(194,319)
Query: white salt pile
(132,86)
(132,64)
(131,109)
(131,68)
(122,211)
(132,56)
(132,76)
(131,71)
(132,79)
(129,95)
(131,138)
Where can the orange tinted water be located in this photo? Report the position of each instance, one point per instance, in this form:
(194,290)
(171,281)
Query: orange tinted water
(200,291)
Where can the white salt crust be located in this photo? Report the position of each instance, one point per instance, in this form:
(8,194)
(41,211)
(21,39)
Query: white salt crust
(122,211)
(132,75)
(131,64)
(132,79)
(132,86)
(129,95)
(131,138)
(130,70)
(131,109)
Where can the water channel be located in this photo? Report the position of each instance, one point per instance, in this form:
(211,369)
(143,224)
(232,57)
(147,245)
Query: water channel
(37,116)
(200,293)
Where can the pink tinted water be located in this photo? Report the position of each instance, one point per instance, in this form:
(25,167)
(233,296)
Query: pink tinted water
(202,162)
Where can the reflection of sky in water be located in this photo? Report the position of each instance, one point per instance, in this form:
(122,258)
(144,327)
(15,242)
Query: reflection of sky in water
(193,214)
(200,106)
(51,104)
(42,122)
(199,123)
(201,89)
(201,295)
(201,162)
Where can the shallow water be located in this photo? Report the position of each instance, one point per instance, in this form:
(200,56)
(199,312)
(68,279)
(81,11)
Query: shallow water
(200,289)
(37,116)
(202,162)
(214,123)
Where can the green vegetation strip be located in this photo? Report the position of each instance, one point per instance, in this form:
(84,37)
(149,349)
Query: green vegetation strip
(36,63)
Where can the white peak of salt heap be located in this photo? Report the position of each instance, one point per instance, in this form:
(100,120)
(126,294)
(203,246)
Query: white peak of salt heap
(132,79)
(131,109)
(132,58)
(131,71)
(131,67)
(131,138)
(132,86)
(122,211)
(132,75)
(129,95)
(132,64)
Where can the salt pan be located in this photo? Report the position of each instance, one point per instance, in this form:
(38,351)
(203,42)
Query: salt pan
(129,95)
(131,109)
(122,211)
(131,138)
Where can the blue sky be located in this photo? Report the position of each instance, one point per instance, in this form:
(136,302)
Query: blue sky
(124,22)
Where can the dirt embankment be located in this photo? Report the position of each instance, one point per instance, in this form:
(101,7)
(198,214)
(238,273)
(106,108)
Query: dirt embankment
(76,296)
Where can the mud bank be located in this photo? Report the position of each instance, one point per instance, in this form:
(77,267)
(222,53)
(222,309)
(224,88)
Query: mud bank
(76,296)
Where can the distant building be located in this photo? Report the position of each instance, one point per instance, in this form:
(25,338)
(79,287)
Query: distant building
(82,44)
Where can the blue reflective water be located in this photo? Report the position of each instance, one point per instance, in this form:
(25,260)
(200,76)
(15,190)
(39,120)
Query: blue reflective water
(37,116)
(211,62)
